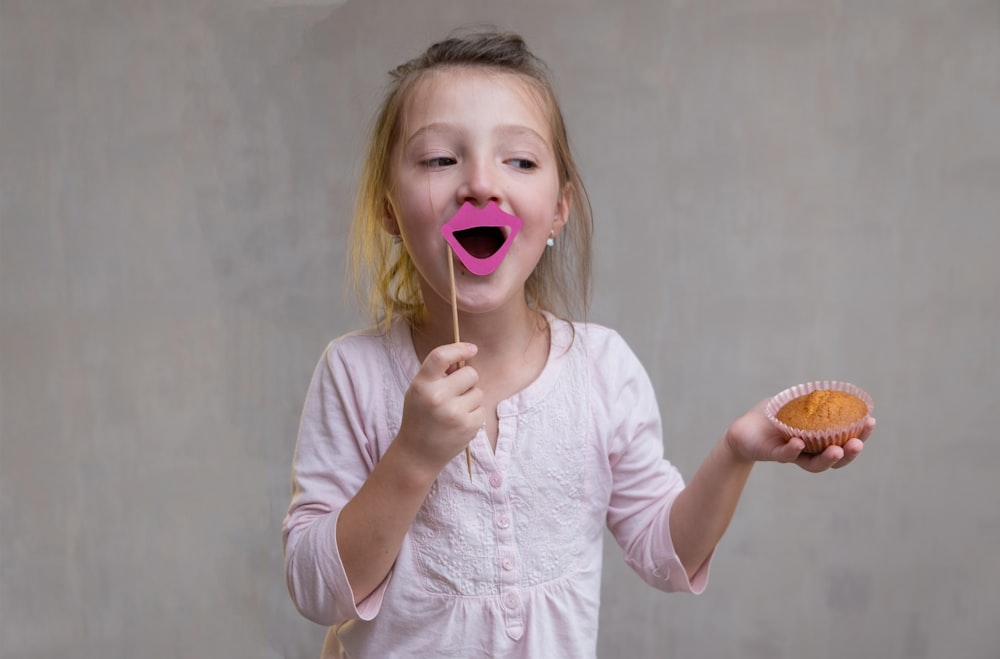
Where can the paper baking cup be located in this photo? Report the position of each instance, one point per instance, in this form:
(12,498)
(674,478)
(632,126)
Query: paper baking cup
(817,440)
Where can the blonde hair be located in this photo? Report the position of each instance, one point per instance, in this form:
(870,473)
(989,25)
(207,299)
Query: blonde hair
(383,274)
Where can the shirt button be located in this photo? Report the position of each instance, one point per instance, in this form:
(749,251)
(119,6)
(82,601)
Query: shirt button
(503,521)
(495,480)
(511,601)
(507,563)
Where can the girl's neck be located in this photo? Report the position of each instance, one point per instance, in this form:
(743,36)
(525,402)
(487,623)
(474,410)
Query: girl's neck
(498,335)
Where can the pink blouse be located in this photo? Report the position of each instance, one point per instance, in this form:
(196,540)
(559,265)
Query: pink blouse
(509,563)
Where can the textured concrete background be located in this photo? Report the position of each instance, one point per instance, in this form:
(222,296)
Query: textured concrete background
(784,191)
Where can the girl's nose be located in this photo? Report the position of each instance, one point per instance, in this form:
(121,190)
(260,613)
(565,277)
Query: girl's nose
(481,183)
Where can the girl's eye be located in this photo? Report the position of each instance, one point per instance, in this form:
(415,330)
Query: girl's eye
(522,163)
(442,161)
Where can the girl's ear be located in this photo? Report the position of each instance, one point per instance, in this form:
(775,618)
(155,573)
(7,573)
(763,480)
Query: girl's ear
(563,207)
(389,221)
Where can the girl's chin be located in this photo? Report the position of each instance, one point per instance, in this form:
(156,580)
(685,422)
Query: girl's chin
(472,304)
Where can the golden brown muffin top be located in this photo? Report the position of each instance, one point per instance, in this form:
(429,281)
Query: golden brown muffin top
(823,409)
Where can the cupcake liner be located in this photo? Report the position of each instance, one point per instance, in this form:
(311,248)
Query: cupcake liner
(817,440)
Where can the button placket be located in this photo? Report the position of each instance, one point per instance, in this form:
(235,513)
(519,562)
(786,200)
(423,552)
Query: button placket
(510,597)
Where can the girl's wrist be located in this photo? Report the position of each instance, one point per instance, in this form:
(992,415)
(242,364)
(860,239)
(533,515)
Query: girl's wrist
(730,445)
(410,468)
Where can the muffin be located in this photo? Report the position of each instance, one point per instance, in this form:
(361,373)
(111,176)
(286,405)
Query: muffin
(822,413)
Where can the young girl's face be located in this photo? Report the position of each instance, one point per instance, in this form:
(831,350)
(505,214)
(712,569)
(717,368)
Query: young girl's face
(474,135)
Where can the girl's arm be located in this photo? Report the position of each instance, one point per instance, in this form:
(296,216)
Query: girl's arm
(703,510)
(372,525)
(441,414)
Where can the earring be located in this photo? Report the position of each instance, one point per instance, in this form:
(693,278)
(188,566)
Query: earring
(396,239)
(551,240)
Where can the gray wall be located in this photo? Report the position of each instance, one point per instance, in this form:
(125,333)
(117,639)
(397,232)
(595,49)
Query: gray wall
(784,191)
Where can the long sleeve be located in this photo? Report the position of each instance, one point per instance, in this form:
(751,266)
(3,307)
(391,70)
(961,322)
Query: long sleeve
(644,484)
(336,450)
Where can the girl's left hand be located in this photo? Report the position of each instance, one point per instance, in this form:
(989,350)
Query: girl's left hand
(753,437)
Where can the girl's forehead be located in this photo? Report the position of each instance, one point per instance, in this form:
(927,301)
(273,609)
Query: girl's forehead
(454,91)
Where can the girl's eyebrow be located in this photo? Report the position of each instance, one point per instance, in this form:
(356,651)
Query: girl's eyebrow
(519,130)
(436,128)
(502,130)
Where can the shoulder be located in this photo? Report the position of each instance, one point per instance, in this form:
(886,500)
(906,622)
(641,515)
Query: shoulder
(621,397)
(373,354)
(357,344)
(598,351)
(597,343)
(361,354)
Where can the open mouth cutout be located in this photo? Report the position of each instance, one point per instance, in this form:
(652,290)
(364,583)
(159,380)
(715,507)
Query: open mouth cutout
(481,237)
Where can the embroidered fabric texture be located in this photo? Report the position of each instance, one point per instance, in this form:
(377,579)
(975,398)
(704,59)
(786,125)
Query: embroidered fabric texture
(469,534)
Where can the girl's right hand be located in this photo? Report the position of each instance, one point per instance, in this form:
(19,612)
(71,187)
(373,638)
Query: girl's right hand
(442,409)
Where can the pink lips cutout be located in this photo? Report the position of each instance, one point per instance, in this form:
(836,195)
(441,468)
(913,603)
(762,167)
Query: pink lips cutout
(470,217)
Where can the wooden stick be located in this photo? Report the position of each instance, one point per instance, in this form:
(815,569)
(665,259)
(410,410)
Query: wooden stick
(454,324)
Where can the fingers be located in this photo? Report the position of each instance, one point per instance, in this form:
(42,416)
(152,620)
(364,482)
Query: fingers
(819,462)
(440,376)
(442,409)
(868,429)
(450,391)
(832,457)
(852,449)
(788,451)
(442,359)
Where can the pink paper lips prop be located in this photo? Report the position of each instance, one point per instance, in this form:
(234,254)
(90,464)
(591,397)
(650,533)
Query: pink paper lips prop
(481,237)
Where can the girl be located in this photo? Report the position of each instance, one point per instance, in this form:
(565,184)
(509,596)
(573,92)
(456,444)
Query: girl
(388,540)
